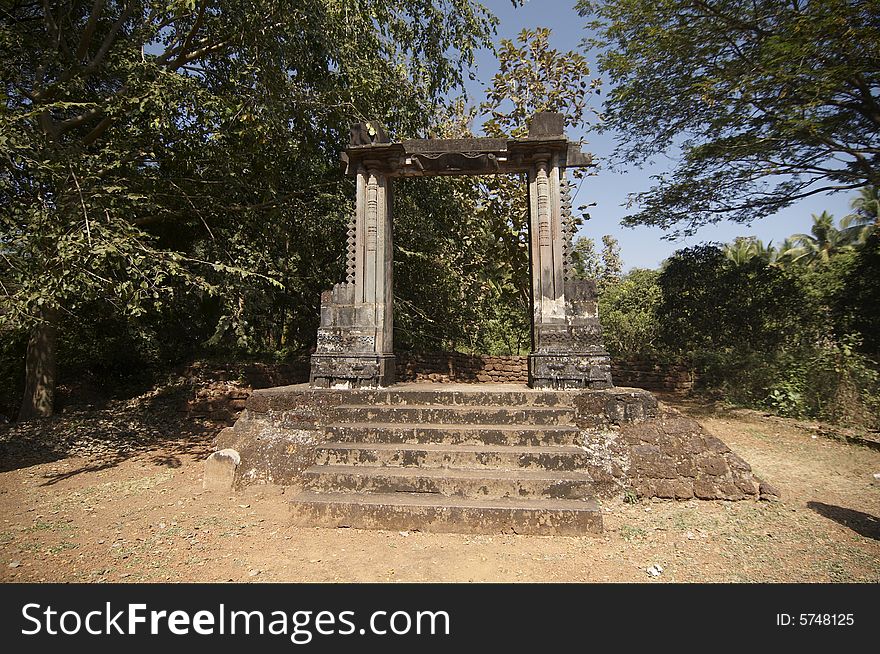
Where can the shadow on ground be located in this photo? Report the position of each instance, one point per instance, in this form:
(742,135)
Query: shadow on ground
(862,523)
(106,437)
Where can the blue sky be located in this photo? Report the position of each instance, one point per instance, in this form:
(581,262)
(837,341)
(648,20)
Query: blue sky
(641,247)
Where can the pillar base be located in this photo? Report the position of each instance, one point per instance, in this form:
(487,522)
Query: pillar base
(561,370)
(352,370)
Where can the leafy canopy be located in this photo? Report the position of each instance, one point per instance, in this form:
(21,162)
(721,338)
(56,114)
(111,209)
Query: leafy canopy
(149,148)
(768,101)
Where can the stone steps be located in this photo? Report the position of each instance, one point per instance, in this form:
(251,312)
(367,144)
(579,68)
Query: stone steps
(443,455)
(403,511)
(454,415)
(472,483)
(466,461)
(473,397)
(507,435)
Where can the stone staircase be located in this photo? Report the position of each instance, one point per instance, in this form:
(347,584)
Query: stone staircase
(467,461)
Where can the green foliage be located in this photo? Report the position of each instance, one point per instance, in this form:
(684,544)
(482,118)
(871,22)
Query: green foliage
(174,164)
(781,337)
(12,345)
(743,250)
(534,77)
(628,310)
(710,304)
(605,267)
(460,271)
(855,306)
(461,245)
(768,101)
(866,209)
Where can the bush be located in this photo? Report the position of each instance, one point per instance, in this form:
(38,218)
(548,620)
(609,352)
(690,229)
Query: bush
(833,382)
(628,310)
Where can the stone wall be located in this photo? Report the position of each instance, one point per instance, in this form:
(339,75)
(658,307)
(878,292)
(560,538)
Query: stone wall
(640,446)
(224,389)
(277,434)
(652,376)
(458,367)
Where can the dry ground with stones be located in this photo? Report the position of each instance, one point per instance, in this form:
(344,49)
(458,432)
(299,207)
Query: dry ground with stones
(114,494)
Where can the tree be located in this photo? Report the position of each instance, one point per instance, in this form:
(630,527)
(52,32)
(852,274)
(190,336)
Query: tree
(605,267)
(865,219)
(585,260)
(532,77)
(856,305)
(152,148)
(710,304)
(744,249)
(768,101)
(628,308)
(823,241)
(612,265)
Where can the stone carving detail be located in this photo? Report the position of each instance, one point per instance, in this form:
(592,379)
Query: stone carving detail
(345,368)
(543,186)
(569,228)
(372,213)
(570,339)
(339,340)
(464,162)
(569,370)
(351,250)
(368,133)
(356,329)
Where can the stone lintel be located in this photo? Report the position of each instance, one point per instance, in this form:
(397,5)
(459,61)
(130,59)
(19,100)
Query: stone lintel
(473,156)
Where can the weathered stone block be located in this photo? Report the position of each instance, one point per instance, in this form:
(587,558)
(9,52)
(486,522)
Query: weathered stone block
(768,491)
(747,484)
(220,469)
(714,444)
(737,463)
(715,466)
(705,489)
(546,123)
(685,467)
(675,489)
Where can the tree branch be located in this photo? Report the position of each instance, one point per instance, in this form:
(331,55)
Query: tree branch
(96,133)
(110,39)
(86,38)
(192,32)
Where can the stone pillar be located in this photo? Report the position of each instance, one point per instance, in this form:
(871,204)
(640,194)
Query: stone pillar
(546,243)
(566,335)
(355,339)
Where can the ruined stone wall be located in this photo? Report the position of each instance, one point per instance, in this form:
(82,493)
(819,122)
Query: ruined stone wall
(640,446)
(223,390)
(458,367)
(653,376)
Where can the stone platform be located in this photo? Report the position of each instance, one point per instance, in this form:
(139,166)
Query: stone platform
(476,458)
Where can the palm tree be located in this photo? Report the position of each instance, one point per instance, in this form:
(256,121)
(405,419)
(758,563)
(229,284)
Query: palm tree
(745,248)
(865,218)
(789,252)
(867,205)
(823,241)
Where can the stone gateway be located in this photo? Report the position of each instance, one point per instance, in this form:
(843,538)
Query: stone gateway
(355,340)
(364,451)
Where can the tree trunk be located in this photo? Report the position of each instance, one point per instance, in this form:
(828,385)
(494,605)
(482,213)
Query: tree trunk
(39,377)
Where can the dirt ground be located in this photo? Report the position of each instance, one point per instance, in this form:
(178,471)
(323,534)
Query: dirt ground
(114,495)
